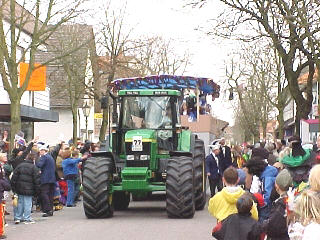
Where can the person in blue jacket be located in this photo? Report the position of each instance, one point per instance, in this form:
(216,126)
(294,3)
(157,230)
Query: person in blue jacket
(46,164)
(258,166)
(70,172)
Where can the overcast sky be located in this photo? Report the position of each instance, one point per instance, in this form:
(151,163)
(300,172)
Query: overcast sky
(171,19)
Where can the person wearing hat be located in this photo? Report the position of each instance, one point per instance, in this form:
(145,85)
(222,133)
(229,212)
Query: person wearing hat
(214,169)
(276,226)
(298,162)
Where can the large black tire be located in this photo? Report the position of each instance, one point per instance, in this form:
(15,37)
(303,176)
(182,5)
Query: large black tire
(97,202)
(121,200)
(199,174)
(179,188)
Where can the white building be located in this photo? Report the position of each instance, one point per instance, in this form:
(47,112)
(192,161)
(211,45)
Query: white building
(35,105)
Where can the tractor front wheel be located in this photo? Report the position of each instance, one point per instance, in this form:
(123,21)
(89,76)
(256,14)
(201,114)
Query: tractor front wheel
(179,188)
(97,200)
(199,174)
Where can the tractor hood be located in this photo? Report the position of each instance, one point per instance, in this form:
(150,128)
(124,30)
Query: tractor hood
(147,135)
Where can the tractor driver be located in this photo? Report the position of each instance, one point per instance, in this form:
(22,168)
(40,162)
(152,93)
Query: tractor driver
(166,120)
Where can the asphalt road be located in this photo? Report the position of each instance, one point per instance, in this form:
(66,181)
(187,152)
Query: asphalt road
(143,220)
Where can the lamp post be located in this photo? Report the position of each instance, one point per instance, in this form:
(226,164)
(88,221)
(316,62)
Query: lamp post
(86,112)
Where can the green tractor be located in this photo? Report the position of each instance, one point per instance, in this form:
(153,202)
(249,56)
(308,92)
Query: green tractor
(148,151)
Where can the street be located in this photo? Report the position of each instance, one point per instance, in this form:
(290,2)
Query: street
(143,220)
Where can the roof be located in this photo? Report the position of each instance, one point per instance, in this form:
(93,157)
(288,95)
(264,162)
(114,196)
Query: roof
(303,79)
(74,35)
(28,17)
(206,85)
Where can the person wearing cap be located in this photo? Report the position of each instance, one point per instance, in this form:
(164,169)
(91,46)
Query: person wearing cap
(48,179)
(276,226)
(225,154)
(214,169)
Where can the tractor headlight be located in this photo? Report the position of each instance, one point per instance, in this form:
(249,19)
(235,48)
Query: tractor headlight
(144,157)
(130,157)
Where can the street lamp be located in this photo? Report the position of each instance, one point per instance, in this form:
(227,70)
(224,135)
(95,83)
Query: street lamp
(86,112)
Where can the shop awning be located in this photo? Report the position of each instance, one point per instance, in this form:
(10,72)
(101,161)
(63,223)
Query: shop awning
(29,114)
(313,124)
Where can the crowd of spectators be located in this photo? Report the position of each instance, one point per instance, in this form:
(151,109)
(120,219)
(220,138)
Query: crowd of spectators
(271,191)
(40,177)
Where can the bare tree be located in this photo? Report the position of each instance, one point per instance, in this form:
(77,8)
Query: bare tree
(289,25)
(116,43)
(73,77)
(156,55)
(20,20)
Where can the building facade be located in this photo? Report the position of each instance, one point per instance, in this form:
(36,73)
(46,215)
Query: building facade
(35,105)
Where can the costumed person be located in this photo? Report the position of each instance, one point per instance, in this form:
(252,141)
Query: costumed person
(214,169)
(298,161)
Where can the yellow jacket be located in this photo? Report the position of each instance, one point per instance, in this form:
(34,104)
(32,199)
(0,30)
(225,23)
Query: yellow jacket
(224,202)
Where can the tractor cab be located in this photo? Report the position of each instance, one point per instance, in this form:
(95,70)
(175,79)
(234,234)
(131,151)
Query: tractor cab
(148,117)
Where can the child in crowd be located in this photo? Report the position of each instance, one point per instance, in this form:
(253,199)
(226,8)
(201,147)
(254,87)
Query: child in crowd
(240,225)
(307,208)
(224,202)
(276,226)
(308,213)
(314,178)
(63,191)
(70,171)
(4,186)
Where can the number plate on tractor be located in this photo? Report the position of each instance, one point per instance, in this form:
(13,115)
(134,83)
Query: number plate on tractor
(137,144)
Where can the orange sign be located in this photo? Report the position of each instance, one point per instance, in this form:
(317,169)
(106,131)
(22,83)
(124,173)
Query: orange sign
(37,80)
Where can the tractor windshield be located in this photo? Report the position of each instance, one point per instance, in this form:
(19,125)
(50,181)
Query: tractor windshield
(147,112)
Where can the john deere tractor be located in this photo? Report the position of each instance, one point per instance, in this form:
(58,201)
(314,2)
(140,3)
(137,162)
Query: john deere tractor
(148,151)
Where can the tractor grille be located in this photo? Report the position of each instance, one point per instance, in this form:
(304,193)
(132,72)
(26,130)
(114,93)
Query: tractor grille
(146,150)
(138,163)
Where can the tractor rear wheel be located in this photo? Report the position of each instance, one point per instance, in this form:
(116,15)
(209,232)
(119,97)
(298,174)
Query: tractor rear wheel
(179,188)
(97,201)
(121,200)
(199,175)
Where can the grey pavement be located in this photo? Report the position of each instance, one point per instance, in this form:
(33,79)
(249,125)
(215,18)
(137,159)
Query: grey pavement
(143,220)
